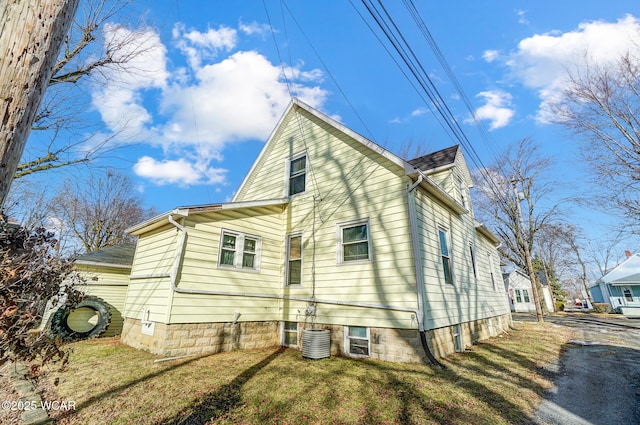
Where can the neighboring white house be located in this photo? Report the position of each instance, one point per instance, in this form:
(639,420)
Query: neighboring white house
(518,288)
(620,287)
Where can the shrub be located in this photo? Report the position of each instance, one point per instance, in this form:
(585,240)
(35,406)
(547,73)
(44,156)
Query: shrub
(559,306)
(602,307)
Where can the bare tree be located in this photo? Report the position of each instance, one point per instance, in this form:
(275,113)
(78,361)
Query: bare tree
(522,164)
(601,104)
(97,210)
(63,131)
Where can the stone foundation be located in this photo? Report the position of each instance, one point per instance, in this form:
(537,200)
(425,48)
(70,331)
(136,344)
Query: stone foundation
(183,339)
(394,345)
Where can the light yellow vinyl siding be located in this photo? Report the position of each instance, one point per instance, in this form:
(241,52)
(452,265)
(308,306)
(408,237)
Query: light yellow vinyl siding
(149,287)
(110,284)
(468,299)
(200,270)
(345,181)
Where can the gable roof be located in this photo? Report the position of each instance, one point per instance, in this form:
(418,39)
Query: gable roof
(631,279)
(436,160)
(295,105)
(624,272)
(113,256)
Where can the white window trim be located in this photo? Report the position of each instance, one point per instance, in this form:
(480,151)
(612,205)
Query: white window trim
(474,263)
(239,251)
(287,173)
(449,241)
(347,345)
(339,246)
(492,275)
(282,333)
(286,274)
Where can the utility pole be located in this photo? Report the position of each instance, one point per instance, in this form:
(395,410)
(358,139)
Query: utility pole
(31,34)
(527,253)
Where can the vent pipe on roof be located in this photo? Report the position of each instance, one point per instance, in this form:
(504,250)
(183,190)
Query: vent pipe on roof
(627,253)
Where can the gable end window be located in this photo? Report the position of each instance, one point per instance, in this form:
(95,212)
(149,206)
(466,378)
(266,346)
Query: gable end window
(445,256)
(239,251)
(354,241)
(297,174)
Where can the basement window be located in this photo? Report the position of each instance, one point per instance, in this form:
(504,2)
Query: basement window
(357,341)
(290,334)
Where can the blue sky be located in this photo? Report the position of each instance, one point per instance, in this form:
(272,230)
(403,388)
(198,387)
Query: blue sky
(210,89)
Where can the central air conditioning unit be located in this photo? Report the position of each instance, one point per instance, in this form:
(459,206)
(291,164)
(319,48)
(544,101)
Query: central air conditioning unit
(316,344)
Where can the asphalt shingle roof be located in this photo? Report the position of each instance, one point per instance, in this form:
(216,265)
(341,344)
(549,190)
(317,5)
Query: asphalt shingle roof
(436,159)
(118,254)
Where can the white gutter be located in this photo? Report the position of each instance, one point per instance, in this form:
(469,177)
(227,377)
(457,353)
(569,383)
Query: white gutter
(416,251)
(173,275)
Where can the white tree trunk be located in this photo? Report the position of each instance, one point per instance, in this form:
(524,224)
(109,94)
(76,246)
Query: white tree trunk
(31,34)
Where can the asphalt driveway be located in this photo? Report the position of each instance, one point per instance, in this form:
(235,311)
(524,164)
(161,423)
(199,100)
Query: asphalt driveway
(597,381)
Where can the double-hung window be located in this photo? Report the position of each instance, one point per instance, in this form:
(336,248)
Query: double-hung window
(239,251)
(354,241)
(518,296)
(628,295)
(297,174)
(525,294)
(357,341)
(445,256)
(294,259)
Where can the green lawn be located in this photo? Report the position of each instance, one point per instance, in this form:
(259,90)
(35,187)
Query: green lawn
(497,382)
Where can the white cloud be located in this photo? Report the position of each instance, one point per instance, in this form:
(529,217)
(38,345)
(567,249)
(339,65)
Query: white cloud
(198,46)
(178,171)
(119,101)
(419,111)
(223,96)
(490,55)
(254,28)
(541,61)
(497,109)
(239,98)
(522,17)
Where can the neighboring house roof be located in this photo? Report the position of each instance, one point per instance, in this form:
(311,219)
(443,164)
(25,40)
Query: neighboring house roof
(113,256)
(626,272)
(436,160)
(631,279)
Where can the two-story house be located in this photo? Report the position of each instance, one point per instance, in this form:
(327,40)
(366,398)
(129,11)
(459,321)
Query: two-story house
(328,230)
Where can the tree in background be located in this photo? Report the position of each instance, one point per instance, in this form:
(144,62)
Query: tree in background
(94,51)
(543,268)
(601,104)
(97,210)
(522,164)
(31,273)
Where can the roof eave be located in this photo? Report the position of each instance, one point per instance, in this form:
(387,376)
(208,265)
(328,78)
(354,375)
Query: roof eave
(101,264)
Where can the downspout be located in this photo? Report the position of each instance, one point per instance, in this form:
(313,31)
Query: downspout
(418,269)
(173,275)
